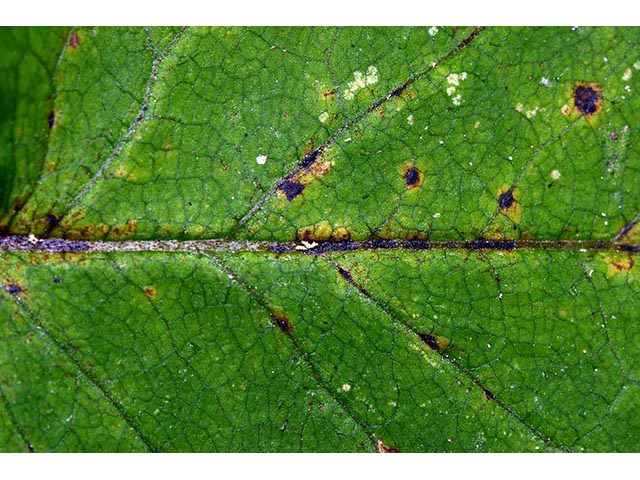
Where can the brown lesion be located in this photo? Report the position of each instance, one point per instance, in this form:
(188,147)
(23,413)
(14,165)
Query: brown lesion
(74,40)
(435,342)
(619,264)
(318,167)
(323,232)
(124,231)
(150,291)
(382,448)
(328,93)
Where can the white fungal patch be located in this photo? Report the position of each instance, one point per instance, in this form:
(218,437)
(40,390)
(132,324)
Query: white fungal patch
(346,387)
(360,81)
(324,116)
(306,245)
(453,80)
(627,74)
(410,119)
(545,82)
(372,75)
(433,31)
(261,159)
(555,174)
(532,113)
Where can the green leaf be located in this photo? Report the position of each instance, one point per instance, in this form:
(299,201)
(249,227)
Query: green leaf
(319,239)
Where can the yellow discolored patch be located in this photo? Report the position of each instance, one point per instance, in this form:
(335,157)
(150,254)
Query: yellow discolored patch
(122,231)
(321,168)
(340,234)
(618,264)
(320,232)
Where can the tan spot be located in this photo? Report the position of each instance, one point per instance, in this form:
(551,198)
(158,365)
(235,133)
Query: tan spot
(320,232)
(618,264)
(321,168)
(340,234)
(150,292)
(382,448)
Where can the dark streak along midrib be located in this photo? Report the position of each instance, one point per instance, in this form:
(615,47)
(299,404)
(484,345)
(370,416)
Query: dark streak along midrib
(21,243)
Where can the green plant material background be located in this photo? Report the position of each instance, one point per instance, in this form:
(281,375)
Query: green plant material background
(142,134)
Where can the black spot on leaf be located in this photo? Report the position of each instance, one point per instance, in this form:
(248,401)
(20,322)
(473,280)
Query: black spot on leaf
(292,189)
(52,220)
(587,98)
(412,177)
(431,341)
(13,289)
(398,91)
(345,274)
(506,199)
(488,393)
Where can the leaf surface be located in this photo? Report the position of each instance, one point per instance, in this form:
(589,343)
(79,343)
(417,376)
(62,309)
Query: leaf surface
(319,239)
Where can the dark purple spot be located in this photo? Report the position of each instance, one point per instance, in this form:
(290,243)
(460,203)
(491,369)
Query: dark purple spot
(586,99)
(398,91)
(283,324)
(52,220)
(292,189)
(488,393)
(51,119)
(430,340)
(482,244)
(412,176)
(345,274)
(56,280)
(506,199)
(13,289)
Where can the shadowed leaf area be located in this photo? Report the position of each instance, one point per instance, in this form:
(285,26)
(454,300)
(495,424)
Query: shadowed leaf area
(319,239)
